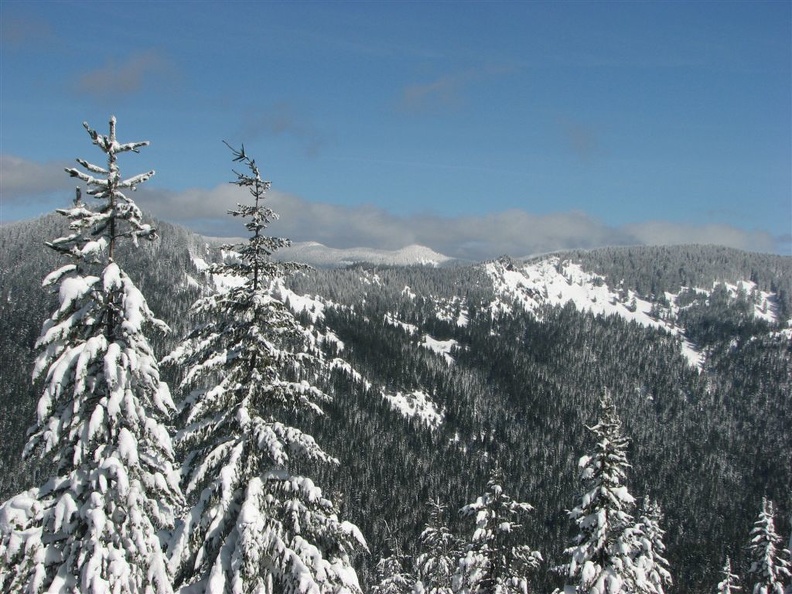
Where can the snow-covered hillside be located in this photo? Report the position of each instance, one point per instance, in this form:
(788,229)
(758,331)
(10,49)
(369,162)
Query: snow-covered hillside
(417,404)
(429,382)
(554,281)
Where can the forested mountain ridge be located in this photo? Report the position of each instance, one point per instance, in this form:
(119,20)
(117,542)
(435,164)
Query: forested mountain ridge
(438,372)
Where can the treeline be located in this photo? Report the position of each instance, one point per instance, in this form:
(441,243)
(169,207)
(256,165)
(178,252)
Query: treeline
(650,271)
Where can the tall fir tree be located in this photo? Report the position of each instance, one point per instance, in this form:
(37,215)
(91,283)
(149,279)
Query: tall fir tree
(769,572)
(730,582)
(440,550)
(255,525)
(601,560)
(652,569)
(494,560)
(95,526)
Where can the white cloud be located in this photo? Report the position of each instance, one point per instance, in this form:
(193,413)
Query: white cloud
(21,180)
(116,79)
(666,233)
(26,187)
(515,232)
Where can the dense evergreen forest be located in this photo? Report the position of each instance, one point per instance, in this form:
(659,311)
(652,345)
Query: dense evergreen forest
(508,387)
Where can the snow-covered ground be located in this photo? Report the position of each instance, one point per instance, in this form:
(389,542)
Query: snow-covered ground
(416,404)
(441,347)
(552,281)
(220,282)
(453,311)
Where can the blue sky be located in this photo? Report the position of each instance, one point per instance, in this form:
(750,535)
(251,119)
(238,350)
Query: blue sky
(476,128)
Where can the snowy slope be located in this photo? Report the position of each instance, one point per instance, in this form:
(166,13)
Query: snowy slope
(530,286)
(556,282)
(416,404)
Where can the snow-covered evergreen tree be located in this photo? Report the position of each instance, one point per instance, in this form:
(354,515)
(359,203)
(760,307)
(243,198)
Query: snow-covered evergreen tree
(493,560)
(652,571)
(435,565)
(255,525)
(392,577)
(730,581)
(95,526)
(770,567)
(601,561)
(789,555)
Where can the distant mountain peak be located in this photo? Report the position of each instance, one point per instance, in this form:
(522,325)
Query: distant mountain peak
(322,256)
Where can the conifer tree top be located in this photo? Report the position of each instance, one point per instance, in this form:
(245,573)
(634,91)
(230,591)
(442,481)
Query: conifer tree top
(255,261)
(117,215)
(770,566)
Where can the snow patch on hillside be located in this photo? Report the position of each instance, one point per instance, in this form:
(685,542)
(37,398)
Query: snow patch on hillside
(554,282)
(219,282)
(408,292)
(192,282)
(452,311)
(416,404)
(765,304)
(314,306)
(346,367)
(694,356)
(392,320)
(371,278)
(441,347)
(200,264)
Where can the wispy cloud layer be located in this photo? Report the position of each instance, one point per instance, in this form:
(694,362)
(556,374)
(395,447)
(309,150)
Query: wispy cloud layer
(666,233)
(117,79)
(444,91)
(581,139)
(441,92)
(24,33)
(283,119)
(22,180)
(514,232)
